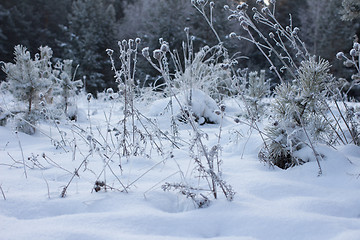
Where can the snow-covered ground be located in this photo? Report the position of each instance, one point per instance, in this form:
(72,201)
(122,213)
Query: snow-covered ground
(269,204)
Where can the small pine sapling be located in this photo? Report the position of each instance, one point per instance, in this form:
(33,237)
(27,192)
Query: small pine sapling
(298,111)
(299,105)
(256,89)
(26,79)
(66,87)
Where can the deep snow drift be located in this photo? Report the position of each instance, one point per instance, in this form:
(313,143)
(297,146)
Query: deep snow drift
(269,204)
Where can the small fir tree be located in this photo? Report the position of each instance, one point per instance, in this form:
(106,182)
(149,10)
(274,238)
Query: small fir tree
(299,114)
(26,78)
(66,87)
(36,82)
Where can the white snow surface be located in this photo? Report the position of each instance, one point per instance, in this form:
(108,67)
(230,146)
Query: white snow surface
(270,203)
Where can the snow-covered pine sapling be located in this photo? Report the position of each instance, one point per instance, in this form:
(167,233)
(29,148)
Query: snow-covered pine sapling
(301,121)
(26,78)
(298,111)
(66,87)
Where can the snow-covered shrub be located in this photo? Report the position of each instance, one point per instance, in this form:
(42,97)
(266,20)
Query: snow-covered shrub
(299,105)
(299,112)
(37,83)
(205,161)
(65,88)
(206,72)
(203,72)
(202,109)
(26,79)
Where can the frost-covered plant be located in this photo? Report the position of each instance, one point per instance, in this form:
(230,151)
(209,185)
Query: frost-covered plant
(352,61)
(125,77)
(36,82)
(299,112)
(349,116)
(132,139)
(206,73)
(66,87)
(26,79)
(279,44)
(206,169)
(206,163)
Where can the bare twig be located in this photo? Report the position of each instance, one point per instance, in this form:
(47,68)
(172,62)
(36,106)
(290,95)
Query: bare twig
(47,185)
(76,173)
(2,192)
(22,153)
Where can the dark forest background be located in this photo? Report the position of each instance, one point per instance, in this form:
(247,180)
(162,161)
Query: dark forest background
(83,29)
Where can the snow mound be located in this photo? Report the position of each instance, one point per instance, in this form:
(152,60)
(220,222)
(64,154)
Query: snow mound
(197,102)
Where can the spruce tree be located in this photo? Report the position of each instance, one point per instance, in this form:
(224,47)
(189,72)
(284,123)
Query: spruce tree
(91,30)
(28,80)
(351,9)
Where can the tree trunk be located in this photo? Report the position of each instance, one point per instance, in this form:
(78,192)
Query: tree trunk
(30,99)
